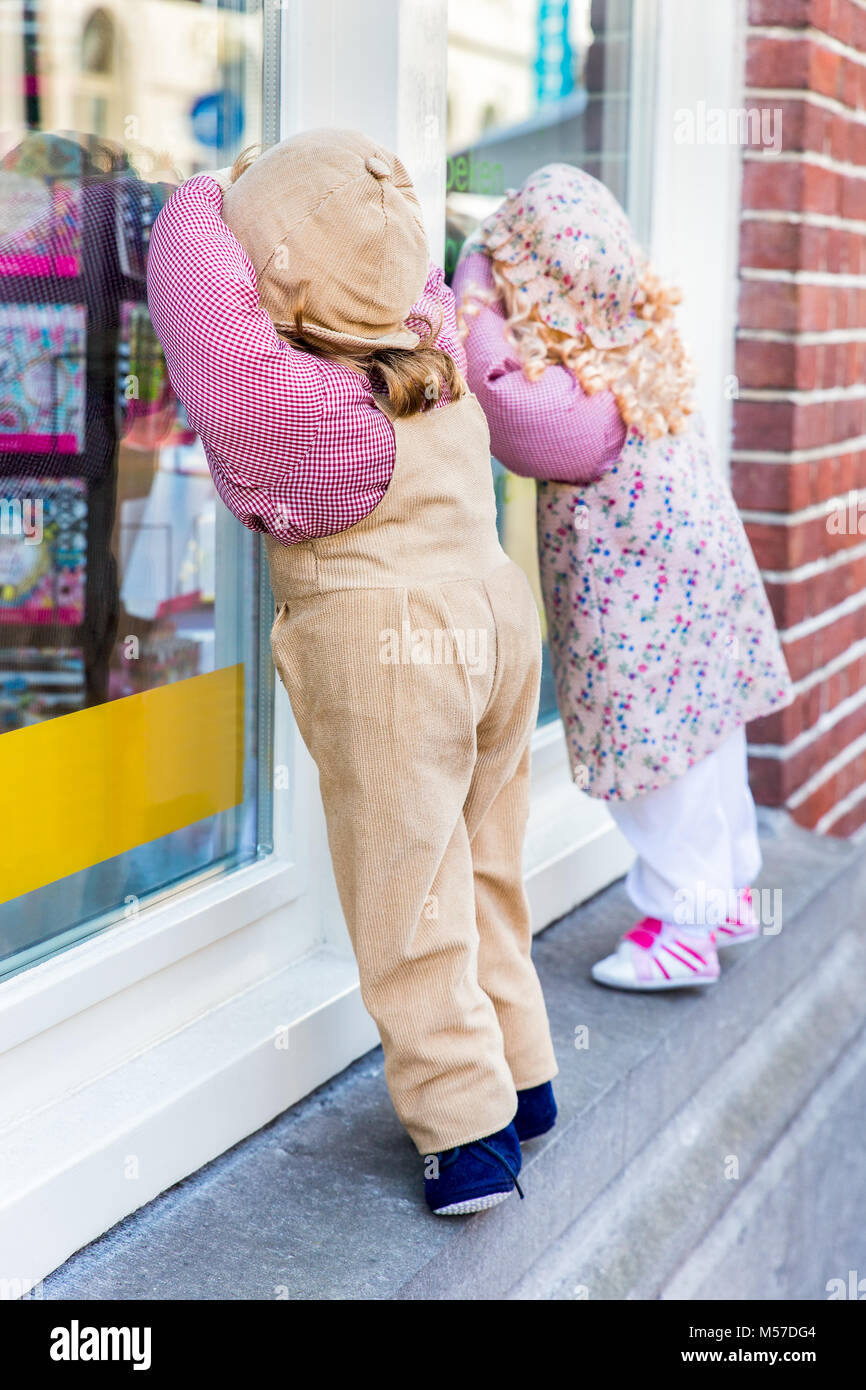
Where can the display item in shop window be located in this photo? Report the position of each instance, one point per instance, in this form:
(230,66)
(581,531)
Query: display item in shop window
(39,683)
(146,408)
(42,208)
(168,542)
(43,550)
(92,263)
(42,378)
(162,657)
(137,207)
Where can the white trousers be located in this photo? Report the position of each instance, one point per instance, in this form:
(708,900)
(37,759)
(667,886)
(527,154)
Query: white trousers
(696,839)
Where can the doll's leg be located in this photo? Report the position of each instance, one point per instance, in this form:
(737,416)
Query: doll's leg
(693,838)
(445,1064)
(496,811)
(394,741)
(683,872)
(505,969)
(740,809)
(748,913)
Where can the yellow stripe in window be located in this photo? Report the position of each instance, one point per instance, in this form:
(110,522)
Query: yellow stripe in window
(85,787)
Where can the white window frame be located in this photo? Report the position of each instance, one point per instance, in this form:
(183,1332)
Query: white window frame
(131,1059)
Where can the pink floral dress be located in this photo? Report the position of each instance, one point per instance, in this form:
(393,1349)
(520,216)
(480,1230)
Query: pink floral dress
(661,637)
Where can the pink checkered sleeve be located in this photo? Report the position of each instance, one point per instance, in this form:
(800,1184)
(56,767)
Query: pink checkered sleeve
(295,443)
(547,428)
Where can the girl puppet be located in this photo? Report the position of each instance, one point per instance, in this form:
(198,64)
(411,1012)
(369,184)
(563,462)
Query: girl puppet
(315,350)
(661,638)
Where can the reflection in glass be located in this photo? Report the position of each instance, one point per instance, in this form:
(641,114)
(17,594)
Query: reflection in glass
(119,574)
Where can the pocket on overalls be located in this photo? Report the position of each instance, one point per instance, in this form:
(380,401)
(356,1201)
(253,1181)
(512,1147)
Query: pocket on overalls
(280,643)
(280,610)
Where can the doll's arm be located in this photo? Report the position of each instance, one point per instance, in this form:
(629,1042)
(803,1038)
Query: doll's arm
(547,428)
(271,418)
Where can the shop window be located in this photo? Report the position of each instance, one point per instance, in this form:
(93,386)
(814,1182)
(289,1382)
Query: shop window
(531,82)
(134,680)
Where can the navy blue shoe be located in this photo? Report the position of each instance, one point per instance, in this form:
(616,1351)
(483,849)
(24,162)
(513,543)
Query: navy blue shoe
(536,1111)
(474,1176)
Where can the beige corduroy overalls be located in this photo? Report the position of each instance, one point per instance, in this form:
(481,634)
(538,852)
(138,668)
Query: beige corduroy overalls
(410,648)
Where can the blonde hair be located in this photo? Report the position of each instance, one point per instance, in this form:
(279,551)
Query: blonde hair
(651,379)
(247,156)
(412,378)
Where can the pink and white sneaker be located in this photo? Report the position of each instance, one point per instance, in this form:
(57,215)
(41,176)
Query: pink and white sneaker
(660,955)
(744,927)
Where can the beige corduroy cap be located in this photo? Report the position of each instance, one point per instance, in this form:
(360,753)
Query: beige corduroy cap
(334,211)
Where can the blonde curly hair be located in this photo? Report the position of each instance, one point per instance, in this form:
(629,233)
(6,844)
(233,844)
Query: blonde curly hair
(650,379)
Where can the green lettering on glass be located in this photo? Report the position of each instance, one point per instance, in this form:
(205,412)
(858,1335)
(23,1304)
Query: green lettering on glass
(465,175)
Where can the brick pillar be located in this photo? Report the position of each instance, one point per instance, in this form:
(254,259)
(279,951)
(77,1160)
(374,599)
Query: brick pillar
(799,459)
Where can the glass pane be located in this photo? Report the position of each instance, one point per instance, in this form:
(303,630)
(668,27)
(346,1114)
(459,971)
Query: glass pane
(133,690)
(531,82)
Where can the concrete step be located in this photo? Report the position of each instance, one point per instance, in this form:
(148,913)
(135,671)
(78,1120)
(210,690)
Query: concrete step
(680,1219)
(695,1152)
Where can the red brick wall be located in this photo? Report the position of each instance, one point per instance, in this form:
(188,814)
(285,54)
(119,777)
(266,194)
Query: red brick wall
(800,415)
